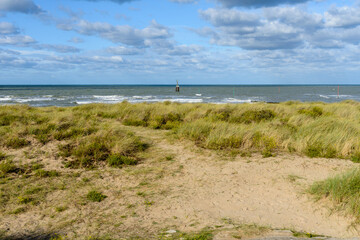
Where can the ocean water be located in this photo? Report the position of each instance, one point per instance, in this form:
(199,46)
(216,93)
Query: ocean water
(77,95)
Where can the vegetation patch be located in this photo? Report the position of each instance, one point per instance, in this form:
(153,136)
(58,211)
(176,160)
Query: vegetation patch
(318,150)
(119,161)
(16,142)
(2,156)
(95,196)
(343,190)
(254,116)
(24,200)
(314,112)
(7,166)
(43,173)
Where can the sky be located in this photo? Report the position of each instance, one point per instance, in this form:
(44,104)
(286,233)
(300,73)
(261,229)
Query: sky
(193,41)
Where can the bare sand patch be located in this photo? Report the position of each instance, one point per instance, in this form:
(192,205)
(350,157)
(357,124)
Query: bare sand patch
(183,187)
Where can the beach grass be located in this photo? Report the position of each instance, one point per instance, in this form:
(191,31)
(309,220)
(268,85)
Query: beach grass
(312,129)
(343,190)
(95,141)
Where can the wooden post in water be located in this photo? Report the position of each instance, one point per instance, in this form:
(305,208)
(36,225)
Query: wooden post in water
(177,89)
(338,96)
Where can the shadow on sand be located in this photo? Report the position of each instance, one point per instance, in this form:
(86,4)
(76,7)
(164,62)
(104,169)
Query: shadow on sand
(30,236)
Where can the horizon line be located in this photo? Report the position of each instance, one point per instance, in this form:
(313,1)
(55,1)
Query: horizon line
(160,85)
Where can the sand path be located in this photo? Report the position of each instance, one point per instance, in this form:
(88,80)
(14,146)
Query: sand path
(265,191)
(197,188)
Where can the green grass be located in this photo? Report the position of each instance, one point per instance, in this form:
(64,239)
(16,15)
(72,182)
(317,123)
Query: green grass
(43,173)
(85,134)
(24,200)
(95,196)
(2,156)
(7,166)
(120,161)
(343,190)
(16,142)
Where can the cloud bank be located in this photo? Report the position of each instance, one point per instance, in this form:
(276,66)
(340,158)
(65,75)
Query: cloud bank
(258,3)
(21,6)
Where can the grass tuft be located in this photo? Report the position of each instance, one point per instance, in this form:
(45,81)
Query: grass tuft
(16,142)
(7,166)
(314,112)
(2,156)
(95,196)
(343,190)
(43,173)
(119,161)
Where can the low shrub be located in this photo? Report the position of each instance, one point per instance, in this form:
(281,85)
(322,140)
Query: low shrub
(313,150)
(7,119)
(43,138)
(73,132)
(166,121)
(16,142)
(7,166)
(115,147)
(116,160)
(134,122)
(224,142)
(312,112)
(19,210)
(65,150)
(355,157)
(316,149)
(2,156)
(95,196)
(60,209)
(222,114)
(24,200)
(254,116)
(92,151)
(43,173)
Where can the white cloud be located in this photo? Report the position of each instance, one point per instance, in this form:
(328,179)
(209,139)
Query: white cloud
(16,40)
(8,28)
(342,17)
(258,3)
(121,33)
(22,6)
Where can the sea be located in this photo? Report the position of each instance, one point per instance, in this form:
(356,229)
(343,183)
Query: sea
(74,95)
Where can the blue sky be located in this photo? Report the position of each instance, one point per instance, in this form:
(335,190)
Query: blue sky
(194,41)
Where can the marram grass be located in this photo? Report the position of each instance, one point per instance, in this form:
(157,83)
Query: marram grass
(343,190)
(313,129)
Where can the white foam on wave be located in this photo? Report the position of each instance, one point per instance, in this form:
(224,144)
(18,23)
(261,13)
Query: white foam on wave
(61,98)
(183,100)
(342,96)
(324,96)
(84,102)
(142,97)
(110,98)
(35,99)
(235,100)
(5,98)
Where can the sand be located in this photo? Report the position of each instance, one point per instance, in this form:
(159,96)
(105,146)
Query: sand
(195,189)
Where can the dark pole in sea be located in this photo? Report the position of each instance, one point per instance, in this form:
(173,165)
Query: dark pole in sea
(177,89)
